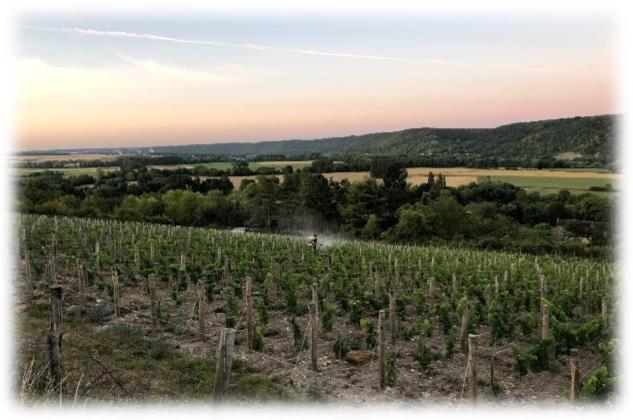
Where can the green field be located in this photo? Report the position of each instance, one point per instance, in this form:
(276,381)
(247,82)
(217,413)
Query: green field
(214,165)
(549,185)
(69,171)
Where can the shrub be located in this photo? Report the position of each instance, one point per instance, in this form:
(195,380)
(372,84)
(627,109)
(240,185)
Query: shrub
(328,314)
(158,349)
(426,329)
(367,325)
(345,345)
(449,349)
(599,385)
(258,339)
(423,354)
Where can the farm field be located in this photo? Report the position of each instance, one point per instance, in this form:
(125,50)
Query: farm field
(144,308)
(551,180)
(544,181)
(213,165)
(70,156)
(553,184)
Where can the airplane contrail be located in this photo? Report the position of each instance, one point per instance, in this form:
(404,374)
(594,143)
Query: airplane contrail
(259,47)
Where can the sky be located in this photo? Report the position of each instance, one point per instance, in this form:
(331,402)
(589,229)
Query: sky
(141,80)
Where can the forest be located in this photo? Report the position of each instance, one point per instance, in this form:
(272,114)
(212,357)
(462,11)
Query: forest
(485,215)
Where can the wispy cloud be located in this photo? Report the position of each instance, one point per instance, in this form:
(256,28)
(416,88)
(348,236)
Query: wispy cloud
(270,48)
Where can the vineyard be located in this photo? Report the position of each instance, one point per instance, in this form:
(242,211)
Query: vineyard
(123,311)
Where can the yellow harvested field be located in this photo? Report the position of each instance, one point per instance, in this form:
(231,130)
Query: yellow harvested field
(474,172)
(461,176)
(285,162)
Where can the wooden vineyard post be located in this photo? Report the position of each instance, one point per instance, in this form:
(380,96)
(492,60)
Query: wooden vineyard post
(151,250)
(152,299)
(80,277)
(54,338)
(202,310)
(376,286)
(454,285)
(545,322)
(381,349)
(315,300)
(393,318)
(97,257)
(314,335)
(543,291)
(224,363)
(27,275)
(492,373)
(573,364)
(472,366)
(463,334)
(432,291)
(115,292)
(605,308)
(249,313)
(488,295)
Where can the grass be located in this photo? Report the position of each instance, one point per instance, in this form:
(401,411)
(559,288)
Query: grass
(147,365)
(551,184)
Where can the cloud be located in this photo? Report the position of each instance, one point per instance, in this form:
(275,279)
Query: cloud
(269,48)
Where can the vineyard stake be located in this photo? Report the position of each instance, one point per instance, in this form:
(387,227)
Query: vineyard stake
(315,300)
(454,285)
(605,308)
(224,363)
(573,364)
(314,335)
(202,310)
(381,349)
(80,277)
(152,299)
(54,338)
(545,322)
(492,372)
(463,334)
(115,292)
(393,321)
(472,366)
(249,313)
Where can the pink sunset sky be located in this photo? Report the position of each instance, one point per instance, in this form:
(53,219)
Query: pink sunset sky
(112,81)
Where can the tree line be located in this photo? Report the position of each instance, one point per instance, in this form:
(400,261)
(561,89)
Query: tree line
(487,215)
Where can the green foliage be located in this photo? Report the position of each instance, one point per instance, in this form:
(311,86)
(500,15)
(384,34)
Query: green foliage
(258,339)
(426,330)
(423,355)
(344,345)
(449,349)
(298,337)
(327,316)
(539,357)
(262,310)
(590,331)
(598,385)
(390,368)
(528,323)
(367,325)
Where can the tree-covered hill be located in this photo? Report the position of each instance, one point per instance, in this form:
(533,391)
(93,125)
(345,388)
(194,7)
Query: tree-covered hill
(587,138)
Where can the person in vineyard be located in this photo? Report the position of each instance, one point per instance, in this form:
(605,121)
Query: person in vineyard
(313,241)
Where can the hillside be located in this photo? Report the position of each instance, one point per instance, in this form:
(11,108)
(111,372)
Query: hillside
(590,139)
